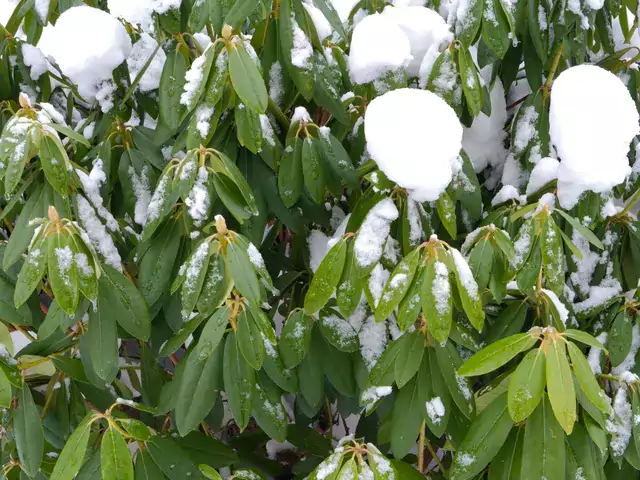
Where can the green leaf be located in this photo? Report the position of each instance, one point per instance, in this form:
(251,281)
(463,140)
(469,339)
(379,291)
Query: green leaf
(239,12)
(246,79)
(195,274)
(437,300)
(526,386)
(411,350)
(326,278)
(350,286)
(497,354)
(146,469)
(209,472)
(103,336)
(295,339)
(68,132)
(483,440)
(290,179)
(543,454)
(587,381)
(302,71)
(620,338)
(330,467)
(248,128)
(409,412)
(313,169)
(583,337)
(6,392)
(250,343)
(30,274)
(410,306)
(470,82)
(269,411)
(217,285)
(584,231)
(471,23)
(243,273)
(157,263)
(212,333)
(125,302)
(28,433)
(468,290)
(552,256)
(507,463)
(495,27)
(399,283)
(171,86)
(449,362)
(310,372)
(481,261)
(173,462)
(200,378)
(62,272)
(338,331)
(54,161)
(70,460)
(115,457)
(239,382)
(560,385)
(447,213)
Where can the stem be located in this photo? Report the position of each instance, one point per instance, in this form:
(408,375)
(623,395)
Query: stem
(552,73)
(421,448)
(330,417)
(281,117)
(212,35)
(435,457)
(47,403)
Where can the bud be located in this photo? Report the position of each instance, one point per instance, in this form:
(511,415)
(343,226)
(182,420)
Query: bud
(221,224)
(53,214)
(23,98)
(226,32)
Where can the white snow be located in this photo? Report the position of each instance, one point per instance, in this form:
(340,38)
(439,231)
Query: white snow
(343,8)
(440,288)
(142,192)
(378,46)
(276,90)
(371,395)
(484,140)
(435,410)
(619,425)
(594,355)
(415,137)
(562,310)
(199,200)
(525,129)
(139,56)
(35,60)
(593,120)
(302,49)
(543,172)
(6,10)
(87,44)
(203,118)
(373,232)
(506,193)
(91,184)
(373,339)
(97,233)
(425,29)
(377,280)
(140,12)
(255,256)
(323,27)
(464,274)
(42,9)
(193,267)
(194,80)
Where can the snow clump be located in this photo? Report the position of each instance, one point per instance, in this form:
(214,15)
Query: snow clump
(87,44)
(140,12)
(415,138)
(378,46)
(593,120)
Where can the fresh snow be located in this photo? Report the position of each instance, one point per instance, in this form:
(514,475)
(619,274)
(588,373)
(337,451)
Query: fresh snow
(97,233)
(140,12)
(435,410)
(373,340)
(464,274)
(302,49)
(415,138)
(378,46)
(562,310)
(323,27)
(484,140)
(199,200)
(373,233)
(140,53)
(594,355)
(543,172)
(194,80)
(592,122)
(91,184)
(87,44)
(425,29)
(35,60)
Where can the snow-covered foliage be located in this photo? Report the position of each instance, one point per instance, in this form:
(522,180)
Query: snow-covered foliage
(249,240)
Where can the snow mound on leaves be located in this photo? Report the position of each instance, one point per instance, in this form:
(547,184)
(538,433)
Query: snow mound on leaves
(378,46)
(140,12)
(593,120)
(87,44)
(415,138)
(425,29)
